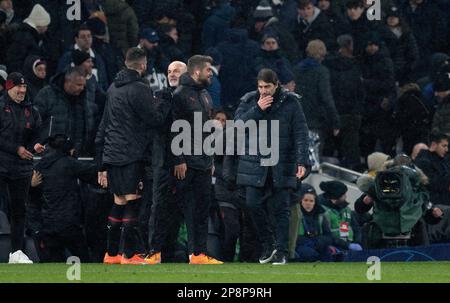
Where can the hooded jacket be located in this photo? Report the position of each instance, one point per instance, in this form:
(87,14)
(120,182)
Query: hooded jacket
(215,25)
(19,126)
(131,112)
(34,84)
(61,201)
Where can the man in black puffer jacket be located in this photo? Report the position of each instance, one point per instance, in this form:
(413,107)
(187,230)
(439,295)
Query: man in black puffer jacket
(273,103)
(64,109)
(122,141)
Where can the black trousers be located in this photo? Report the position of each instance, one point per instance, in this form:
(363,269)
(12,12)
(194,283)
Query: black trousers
(196,208)
(54,245)
(277,200)
(17,193)
(166,215)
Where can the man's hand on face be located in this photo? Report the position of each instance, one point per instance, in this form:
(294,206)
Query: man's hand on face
(300,172)
(265,102)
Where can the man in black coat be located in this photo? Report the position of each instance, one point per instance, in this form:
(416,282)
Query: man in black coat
(60,210)
(29,39)
(19,129)
(122,142)
(379,84)
(435,164)
(313,24)
(274,104)
(348,94)
(64,109)
(193,167)
(165,217)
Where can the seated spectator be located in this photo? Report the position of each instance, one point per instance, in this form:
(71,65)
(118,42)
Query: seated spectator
(83,42)
(314,238)
(35,72)
(435,164)
(343,224)
(29,39)
(313,25)
(441,119)
(61,209)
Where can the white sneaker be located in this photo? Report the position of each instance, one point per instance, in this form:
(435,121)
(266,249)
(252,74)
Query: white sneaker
(18,257)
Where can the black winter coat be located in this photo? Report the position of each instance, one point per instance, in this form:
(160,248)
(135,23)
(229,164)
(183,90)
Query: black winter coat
(131,112)
(27,41)
(437,170)
(61,204)
(71,114)
(404,53)
(313,84)
(293,140)
(320,29)
(346,85)
(19,126)
(379,80)
(188,99)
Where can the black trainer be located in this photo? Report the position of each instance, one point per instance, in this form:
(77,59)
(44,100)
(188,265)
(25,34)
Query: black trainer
(279,259)
(267,256)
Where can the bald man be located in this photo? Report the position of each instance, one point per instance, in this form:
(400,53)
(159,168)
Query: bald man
(165,217)
(174,71)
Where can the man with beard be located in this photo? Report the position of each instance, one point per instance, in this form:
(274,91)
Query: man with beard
(193,172)
(156,61)
(122,140)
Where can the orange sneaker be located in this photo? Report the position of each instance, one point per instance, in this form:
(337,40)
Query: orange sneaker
(112,259)
(137,259)
(155,258)
(204,259)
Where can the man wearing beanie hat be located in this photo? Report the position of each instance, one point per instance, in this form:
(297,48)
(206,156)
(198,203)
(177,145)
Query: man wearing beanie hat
(29,40)
(19,128)
(265,21)
(344,227)
(441,119)
(83,42)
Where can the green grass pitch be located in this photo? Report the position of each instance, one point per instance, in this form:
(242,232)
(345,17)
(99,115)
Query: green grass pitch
(427,272)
